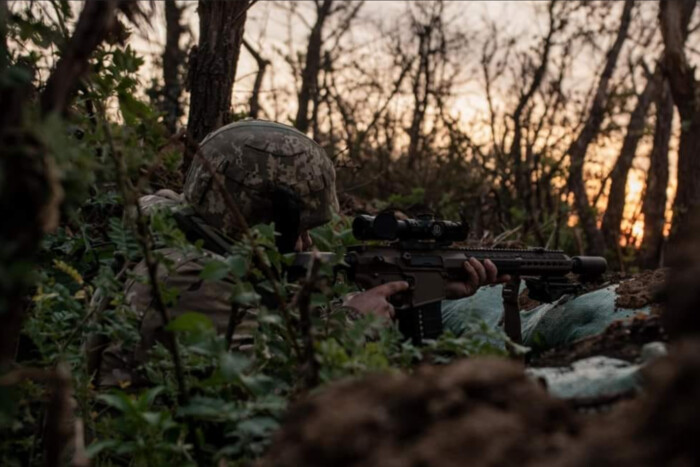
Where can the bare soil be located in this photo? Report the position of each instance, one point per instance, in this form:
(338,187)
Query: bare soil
(483,411)
(641,289)
(623,340)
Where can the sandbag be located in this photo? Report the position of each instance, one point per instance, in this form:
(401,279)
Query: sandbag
(597,377)
(548,325)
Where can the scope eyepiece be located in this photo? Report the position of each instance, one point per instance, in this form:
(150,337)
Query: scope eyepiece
(386,226)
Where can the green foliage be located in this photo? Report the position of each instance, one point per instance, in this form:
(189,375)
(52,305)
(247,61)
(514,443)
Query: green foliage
(416,196)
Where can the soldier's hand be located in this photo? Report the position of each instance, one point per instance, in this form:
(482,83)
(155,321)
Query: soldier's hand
(376,300)
(478,274)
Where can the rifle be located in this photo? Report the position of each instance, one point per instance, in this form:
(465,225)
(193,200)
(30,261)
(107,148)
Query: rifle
(419,251)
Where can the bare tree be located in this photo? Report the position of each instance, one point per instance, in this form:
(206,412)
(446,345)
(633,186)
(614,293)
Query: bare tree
(309,92)
(309,74)
(523,168)
(618,177)
(212,67)
(654,204)
(173,60)
(579,147)
(674,16)
(430,50)
(263,63)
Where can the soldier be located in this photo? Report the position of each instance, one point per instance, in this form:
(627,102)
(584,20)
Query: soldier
(274,173)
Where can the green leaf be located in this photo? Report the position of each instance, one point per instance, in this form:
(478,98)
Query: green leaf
(260,384)
(266,232)
(124,240)
(96,447)
(258,426)
(238,265)
(233,364)
(244,294)
(117,400)
(214,270)
(148,397)
(192,322)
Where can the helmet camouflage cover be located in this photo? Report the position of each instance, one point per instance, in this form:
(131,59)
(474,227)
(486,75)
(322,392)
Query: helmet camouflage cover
(255,157)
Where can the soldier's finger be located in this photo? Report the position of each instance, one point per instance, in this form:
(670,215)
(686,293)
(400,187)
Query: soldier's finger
(307,242)
(472,276)
(390,288)
(503,278)
(390,312)
(491,271)
(479,268)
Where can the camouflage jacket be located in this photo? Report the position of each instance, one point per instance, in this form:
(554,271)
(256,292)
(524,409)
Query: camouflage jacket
(112,363)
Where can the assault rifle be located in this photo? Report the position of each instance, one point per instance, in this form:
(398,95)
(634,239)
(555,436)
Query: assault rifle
(419,252)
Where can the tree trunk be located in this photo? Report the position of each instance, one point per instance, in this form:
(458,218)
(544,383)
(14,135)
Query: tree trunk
(654,206)
(254,101)
(618,178)
(577,151)
(173,58)
(30,198)
(674,17)
(212,67)
(522,182)
(421,91)
(312,66)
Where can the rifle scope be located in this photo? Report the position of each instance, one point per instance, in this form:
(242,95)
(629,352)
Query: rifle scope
(386,226)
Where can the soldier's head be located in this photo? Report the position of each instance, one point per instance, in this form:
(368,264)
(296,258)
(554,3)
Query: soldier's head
(274,174)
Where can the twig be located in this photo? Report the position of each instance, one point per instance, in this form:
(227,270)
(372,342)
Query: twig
(303,300)
(505,235)
(234,320)
(146,242)
(95,308)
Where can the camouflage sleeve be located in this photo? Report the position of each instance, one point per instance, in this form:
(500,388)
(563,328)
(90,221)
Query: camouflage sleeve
(188,292)
(160,199)
(339,308)
(193,294)
(341,314)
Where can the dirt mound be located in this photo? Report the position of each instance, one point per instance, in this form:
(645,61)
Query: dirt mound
(482,411)
(682,316)
(660,428)
(622,339)
(641,289)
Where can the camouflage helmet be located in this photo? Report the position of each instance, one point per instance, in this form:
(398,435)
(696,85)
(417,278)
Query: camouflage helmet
(256,159)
